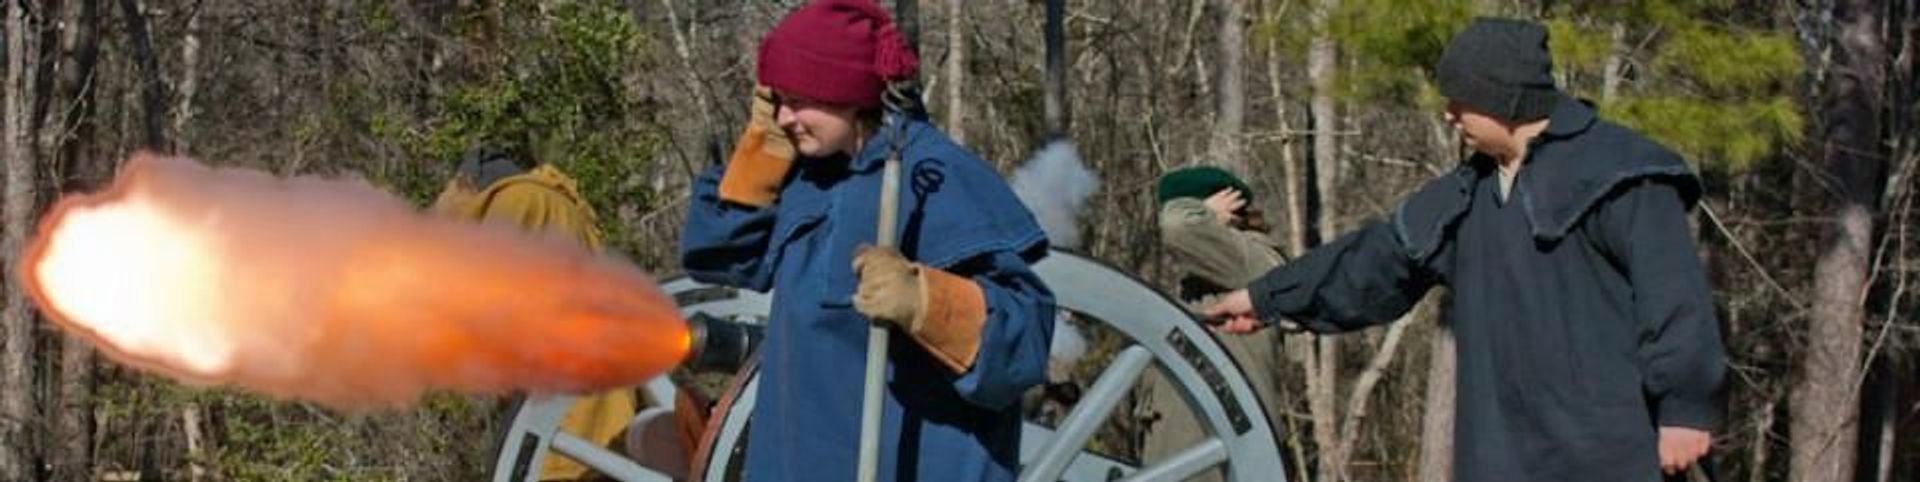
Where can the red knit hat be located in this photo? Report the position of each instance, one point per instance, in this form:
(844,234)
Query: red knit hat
(838,51)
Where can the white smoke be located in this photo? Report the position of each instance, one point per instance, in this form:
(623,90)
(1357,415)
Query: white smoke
(1055,185)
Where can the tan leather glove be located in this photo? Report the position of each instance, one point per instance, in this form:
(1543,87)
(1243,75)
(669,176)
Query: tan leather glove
(761,158)
(943,311)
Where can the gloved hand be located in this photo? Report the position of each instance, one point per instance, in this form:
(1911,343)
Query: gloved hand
(761,158)
(943,311)
(890,287)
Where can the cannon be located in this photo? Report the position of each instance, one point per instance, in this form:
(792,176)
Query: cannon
(1158,335)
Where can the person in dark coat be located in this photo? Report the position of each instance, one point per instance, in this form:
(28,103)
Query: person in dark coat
(1588,345)
(793,211)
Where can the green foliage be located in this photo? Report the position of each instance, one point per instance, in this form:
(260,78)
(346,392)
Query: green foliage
(1287,28)
(1577,47)
(256,446)
(1717,91)
(246,437)
(1394,43)
(1725,135)
(1726,64)
(560,92)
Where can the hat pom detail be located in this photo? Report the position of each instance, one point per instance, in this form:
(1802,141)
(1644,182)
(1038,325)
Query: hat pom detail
(893,60)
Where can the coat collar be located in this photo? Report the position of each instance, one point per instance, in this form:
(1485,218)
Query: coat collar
(1580,160)
(1570,117)
(1573,166)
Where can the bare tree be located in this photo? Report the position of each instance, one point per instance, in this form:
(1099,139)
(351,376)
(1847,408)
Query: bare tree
(153,93)
(1058,117)
(1368,378)
(1437,411)
(1322,368)
(956,71)
(81,88)
(1322,58)
(906,15)
(1614,70)
(1825,399)
(189,79)
(17,354)
(71,450)
(1436,428)
(1230,112)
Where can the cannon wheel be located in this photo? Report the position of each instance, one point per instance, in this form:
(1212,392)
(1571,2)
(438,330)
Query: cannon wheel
(1159,335)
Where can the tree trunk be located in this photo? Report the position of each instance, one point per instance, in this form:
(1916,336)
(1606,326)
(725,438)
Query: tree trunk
(190,426)
(1825,399)
(1615,67)
(1059,117)
(1877,416)
(1369,377)
(1762,435)
(495,30)
(1323,375)
(1230,112)
(153,94)
(48,110)
(1292,171)
(72,436)
(956,67)
(1194,13)
(1436,427)
(189,80)
(1323,371)
(1321,58)
(906,16)
(18,440)
(710,130)
(1437,414)
(76,169)
(46,62)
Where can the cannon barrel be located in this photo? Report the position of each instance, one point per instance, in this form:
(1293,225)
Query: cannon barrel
(720,345)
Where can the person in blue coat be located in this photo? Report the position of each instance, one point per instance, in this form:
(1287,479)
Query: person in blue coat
(1587,341)
(794,211)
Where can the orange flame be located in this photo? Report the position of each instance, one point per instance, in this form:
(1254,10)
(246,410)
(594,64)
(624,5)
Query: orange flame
(334,292)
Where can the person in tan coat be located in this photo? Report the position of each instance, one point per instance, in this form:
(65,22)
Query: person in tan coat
(1216,240)
(498,186)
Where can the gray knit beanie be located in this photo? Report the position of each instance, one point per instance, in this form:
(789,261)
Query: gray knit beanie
(1500,66)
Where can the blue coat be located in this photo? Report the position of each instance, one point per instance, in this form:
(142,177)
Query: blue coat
(957,215)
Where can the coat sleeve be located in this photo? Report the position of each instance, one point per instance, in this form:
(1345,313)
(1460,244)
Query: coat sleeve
(1360,280)
(1216,252)
(724,242)
(1015,335)
(1681,354)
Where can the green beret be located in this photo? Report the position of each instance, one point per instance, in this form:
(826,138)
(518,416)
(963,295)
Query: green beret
(1200,182)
